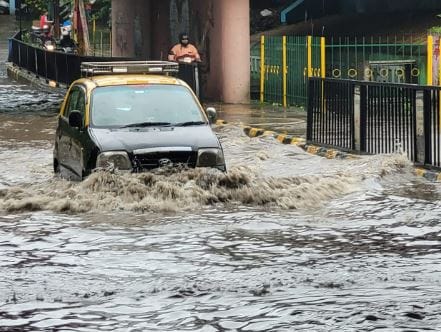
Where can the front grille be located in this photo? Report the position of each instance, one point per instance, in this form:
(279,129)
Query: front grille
(158,159)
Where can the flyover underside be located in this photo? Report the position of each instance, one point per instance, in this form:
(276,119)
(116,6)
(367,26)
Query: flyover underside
(219,28)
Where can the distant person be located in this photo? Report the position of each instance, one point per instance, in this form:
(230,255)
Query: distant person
(44,22)
(88,8)
(66,41)
(184,51)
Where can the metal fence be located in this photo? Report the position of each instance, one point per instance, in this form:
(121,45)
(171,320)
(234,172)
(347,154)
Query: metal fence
(372,117)
(281,77)
(65,68)
(101,43)
(54,66)
(281,66)
(379,59)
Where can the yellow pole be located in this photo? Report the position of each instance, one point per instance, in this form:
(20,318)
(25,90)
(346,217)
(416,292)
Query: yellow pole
(323,70)
(309,56)
(262,68)
(93,36)
(323,56)
(285,74)
(439,84)
(110,43)
(430,60)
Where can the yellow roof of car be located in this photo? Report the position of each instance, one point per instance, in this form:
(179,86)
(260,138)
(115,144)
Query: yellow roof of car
(109,80)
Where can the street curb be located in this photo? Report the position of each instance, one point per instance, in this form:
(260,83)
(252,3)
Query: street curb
(430,175)
(22,75)
(292,140)
(433,176)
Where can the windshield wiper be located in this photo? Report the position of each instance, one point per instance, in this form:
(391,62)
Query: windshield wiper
(189,123)
(147,124)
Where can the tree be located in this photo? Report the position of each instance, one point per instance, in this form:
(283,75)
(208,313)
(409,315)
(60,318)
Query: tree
(101,10)
(36,6)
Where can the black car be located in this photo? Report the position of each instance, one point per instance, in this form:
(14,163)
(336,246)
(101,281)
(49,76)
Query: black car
(133,121)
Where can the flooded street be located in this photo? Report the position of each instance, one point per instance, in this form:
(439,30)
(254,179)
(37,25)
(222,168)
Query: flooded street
(285,241)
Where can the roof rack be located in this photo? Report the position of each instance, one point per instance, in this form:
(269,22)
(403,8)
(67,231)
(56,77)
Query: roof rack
(129,67)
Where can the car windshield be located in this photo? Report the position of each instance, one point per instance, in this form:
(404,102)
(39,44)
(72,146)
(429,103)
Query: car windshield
(144,105)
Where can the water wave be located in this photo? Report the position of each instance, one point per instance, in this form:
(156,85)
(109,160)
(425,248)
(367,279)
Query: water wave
(170,190)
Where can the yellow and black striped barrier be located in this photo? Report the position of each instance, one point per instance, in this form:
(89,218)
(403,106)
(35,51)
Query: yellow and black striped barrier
(433,176)
(298,141)
(328,153)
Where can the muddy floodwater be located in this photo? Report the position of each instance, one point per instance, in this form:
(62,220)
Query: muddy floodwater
(285,241)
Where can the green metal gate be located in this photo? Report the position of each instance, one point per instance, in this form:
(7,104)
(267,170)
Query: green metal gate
(281,66)
(287,64)
(379,59)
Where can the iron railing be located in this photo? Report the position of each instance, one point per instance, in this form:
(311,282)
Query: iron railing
(55,66)
(392,59)
(64,68)
(335,125)
(372,117)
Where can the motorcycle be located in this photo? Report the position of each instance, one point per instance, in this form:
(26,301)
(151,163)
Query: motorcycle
(66,44)
(43,37)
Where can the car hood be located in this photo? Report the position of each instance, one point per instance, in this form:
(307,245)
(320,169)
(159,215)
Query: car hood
(130,139)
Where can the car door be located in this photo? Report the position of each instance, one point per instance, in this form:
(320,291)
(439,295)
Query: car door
(64,134)
(73,139)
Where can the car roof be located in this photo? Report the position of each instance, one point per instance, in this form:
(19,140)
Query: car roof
(128,79)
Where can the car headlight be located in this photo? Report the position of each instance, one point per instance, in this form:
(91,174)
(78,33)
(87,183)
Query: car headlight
(116,159)
(210,158)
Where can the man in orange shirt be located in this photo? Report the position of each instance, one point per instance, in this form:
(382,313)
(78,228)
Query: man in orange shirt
(184,51)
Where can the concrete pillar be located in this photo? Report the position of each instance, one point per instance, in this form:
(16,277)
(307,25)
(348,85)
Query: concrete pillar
(123,33)
(235,51)
(179,18)
(160,32)
(221,29)
(142,26)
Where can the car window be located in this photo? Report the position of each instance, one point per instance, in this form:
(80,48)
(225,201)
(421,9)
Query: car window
(76,101)
(81,102)
(72,101)
(129,104)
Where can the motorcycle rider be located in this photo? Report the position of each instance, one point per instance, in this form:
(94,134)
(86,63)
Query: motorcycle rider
(66,42)
(184,51)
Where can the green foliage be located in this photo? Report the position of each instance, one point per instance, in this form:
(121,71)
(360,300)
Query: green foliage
(36,6)
(435,30)
(101,11)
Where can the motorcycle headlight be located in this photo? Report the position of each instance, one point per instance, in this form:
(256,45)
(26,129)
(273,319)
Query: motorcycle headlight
(210,158)
(116,159)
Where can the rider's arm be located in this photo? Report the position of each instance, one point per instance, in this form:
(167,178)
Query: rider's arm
(172,54)
(197,56)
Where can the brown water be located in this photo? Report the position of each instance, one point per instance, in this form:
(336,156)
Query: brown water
(285,241)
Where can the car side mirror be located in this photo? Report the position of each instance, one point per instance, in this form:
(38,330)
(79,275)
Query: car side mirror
(212,114)
(76,119)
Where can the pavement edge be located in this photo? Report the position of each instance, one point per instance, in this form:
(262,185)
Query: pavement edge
(433,176)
